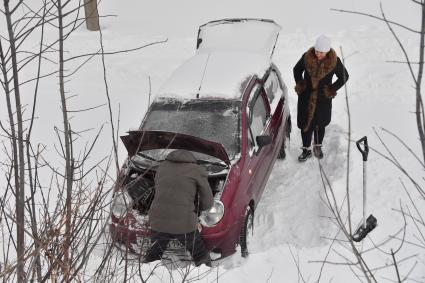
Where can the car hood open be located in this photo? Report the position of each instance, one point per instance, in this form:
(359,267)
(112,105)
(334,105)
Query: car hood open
(139,140)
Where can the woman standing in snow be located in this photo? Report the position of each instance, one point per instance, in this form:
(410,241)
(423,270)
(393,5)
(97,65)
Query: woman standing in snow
(313,76)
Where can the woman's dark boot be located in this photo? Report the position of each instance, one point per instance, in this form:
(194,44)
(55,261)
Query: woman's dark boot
(304,155)
(317,150)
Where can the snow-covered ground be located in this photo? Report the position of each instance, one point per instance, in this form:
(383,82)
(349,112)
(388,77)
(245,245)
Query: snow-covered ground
(292,225)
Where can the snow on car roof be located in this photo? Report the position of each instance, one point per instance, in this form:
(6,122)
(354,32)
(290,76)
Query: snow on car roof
(215,75)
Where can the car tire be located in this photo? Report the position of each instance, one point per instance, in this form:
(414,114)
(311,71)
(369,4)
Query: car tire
(288,129)
(246,231)
(282,152)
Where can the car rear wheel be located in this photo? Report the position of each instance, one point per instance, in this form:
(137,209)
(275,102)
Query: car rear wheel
(288,128)
(247,231)
(282,152)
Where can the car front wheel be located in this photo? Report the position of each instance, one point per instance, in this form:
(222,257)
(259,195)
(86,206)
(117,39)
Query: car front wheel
(247,231)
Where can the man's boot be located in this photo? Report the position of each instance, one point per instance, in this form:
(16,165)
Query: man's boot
(317,150)
(305,154)
(206,259)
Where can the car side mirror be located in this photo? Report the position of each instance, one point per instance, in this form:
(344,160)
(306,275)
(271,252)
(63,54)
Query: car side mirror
(262,141)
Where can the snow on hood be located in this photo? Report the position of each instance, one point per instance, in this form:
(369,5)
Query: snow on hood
(137,141)
(241,35)
(214,75)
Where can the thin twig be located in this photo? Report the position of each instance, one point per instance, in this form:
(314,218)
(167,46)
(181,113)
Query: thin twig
(375,17)
(116,52)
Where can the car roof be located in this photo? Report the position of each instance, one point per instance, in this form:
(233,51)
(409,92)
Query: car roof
(217,75)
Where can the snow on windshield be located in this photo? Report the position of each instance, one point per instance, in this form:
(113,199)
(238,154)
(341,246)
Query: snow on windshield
(213,120)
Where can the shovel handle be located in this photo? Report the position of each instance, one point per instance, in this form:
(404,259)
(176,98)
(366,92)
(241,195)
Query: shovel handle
(364,151)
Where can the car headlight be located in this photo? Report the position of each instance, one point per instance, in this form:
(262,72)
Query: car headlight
(214,215)
(122,204)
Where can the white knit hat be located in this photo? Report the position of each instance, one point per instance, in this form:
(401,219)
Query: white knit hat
(323,44)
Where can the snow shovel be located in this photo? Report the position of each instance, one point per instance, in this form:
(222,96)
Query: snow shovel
(370,223)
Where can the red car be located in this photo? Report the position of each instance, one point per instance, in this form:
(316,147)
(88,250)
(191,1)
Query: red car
(229,106)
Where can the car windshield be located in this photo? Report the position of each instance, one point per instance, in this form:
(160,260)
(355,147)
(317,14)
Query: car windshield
(213,120)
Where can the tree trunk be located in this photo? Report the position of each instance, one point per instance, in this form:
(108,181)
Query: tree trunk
(92,15)
(20,158)
(69,171)
(420,120)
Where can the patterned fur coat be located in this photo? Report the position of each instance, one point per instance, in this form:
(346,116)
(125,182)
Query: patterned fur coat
(315,88)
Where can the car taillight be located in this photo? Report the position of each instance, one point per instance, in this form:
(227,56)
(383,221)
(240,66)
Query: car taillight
(214,215)
(122,204)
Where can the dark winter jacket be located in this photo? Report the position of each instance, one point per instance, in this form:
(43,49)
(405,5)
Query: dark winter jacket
(315,88)
(177,182)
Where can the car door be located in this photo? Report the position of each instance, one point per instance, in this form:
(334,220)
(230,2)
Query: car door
(258,119)
(275,90)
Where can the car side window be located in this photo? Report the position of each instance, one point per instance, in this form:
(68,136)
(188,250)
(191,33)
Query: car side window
(273,90)
(258,116)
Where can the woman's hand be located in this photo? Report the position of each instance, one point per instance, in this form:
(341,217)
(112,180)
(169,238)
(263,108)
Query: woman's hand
(329,92)
(300,87)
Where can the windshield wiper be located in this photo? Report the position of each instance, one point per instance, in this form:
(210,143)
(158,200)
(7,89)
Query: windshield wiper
(146,156)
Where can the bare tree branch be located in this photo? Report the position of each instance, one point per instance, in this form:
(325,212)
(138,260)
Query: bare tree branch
(404,62)
(375,17)
(116,52)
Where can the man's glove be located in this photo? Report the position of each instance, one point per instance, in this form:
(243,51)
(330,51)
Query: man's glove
(329,92)
(300,87)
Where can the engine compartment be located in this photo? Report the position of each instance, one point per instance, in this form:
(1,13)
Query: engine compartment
(139,183)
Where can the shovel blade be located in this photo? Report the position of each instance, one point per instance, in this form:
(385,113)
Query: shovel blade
(363,230)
